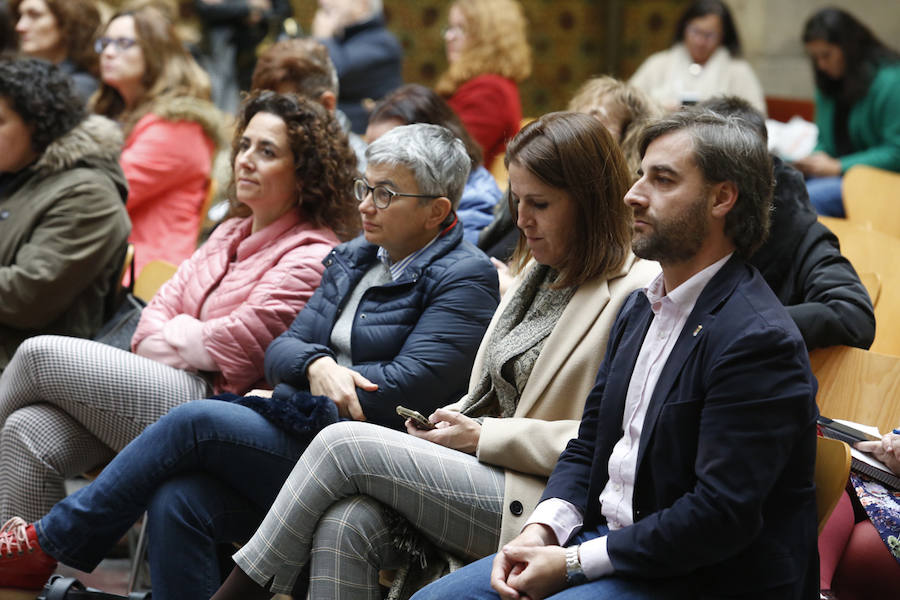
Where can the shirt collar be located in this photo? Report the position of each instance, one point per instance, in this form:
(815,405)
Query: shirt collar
(397,268)
(685,295)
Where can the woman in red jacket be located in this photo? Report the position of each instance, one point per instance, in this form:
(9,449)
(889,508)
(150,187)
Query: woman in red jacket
(488,56)
(152,86)
(68,405)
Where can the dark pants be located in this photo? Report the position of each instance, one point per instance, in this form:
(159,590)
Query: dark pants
(207,472)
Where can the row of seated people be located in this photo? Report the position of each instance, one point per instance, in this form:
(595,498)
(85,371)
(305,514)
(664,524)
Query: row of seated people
(185,352)
(719,486)
(441,315)
(165,110)
(80,258)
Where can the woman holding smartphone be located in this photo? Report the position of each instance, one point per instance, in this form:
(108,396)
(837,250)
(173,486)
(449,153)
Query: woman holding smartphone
(364,498)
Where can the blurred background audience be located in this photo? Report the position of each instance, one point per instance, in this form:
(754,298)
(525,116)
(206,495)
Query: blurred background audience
(62,32)
(153,87)
(231,31)
(488,55)
(857,112)
(367,56)
(704,61)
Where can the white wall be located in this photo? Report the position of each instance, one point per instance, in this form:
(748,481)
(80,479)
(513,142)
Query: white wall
(771,29)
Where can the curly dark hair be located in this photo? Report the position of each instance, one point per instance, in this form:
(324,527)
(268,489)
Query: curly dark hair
(43,96)
(79,24)
(323,160)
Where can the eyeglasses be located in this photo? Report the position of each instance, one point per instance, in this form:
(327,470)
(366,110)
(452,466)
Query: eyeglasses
(120,44)
(381,196)
(703,34)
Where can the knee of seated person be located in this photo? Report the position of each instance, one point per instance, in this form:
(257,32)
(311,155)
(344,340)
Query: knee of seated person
(35,347)
(352,524)
(341,431)
(24,424)
(193,415)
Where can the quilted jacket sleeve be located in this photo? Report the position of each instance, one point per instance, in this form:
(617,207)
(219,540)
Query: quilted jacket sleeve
(238,342)
(436,358)
(168,300)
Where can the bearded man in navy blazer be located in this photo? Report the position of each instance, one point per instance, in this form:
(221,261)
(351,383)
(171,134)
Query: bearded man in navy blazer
(692,472)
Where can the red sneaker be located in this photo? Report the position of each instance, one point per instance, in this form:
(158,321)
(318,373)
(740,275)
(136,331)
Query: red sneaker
(23,564)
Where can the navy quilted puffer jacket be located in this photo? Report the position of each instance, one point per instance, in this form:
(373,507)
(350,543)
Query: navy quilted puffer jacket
(415,337)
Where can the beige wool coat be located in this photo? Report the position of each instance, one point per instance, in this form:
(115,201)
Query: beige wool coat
(547,416)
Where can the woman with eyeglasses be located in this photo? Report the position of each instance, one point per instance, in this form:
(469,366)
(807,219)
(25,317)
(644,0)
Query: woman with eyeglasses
(68,405)
(414,103)
(152,86)
(396,320)
(364,498)
(704,61)
(62,32)
(487,56)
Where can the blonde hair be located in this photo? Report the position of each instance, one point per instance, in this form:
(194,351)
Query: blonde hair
(496,43)
(170,71)
(631,105)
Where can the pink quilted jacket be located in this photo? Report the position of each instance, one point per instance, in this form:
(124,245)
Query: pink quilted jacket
(232,297)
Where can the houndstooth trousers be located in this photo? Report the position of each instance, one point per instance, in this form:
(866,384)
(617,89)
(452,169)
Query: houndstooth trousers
(331,510)
(68,405)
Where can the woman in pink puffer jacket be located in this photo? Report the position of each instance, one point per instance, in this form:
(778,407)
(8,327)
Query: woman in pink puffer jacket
(68,405)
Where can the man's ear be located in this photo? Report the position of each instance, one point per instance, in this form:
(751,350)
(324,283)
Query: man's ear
(439,209)
(328,100)
(726,194)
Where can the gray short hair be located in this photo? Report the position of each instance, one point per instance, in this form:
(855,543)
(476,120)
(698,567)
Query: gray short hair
(437,159)
(726,149)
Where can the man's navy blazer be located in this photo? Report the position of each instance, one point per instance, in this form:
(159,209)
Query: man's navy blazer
(724,495)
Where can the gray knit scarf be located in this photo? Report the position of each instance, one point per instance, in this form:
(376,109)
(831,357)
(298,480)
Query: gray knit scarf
(512,350)
(516,343)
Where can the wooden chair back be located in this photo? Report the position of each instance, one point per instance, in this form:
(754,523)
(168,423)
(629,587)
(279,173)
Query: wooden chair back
(858,385)
(152,276)
(875,252)
(872,198)
(832,472)
(872,283)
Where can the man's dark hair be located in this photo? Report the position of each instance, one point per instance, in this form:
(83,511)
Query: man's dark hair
(863,53)
(733,106)
(725,149)
(42,96)
(702,8)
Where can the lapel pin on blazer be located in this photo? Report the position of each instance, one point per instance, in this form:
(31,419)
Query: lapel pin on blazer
(696,331)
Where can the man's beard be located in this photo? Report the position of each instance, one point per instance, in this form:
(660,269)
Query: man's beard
(676,239)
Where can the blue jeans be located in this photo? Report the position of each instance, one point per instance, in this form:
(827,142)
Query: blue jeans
(207,472)
(825,195)
(473,582)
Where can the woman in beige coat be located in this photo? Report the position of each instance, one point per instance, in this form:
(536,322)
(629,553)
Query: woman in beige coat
(364,498)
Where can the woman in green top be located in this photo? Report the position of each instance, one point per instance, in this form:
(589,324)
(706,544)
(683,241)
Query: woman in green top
(857,86)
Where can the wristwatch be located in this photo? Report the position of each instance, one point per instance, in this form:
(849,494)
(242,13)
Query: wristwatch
(574,573)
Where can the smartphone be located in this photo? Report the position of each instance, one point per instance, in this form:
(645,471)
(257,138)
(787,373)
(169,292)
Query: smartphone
(418,420)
